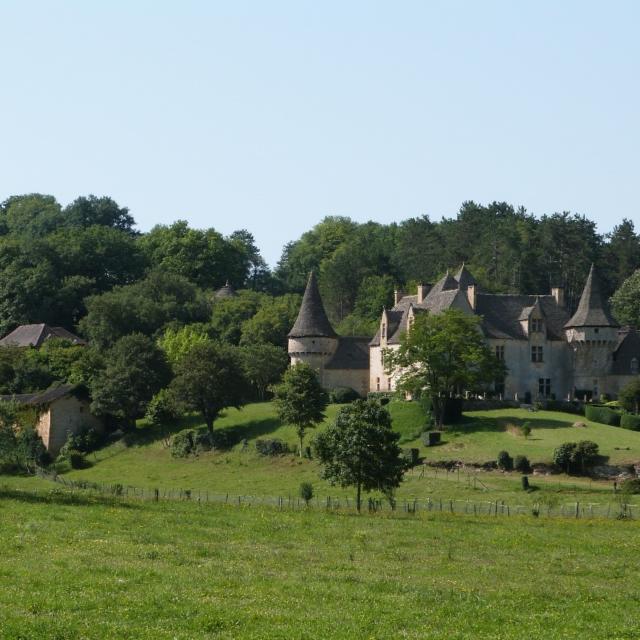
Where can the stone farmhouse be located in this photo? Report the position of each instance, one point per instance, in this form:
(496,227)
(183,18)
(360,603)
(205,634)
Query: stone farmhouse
(548,352)
(33,335)
(60,411)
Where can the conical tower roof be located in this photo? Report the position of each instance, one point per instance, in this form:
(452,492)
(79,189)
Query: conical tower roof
(593,310)
(464,277)
(312,320)
(226,292)
(446,283)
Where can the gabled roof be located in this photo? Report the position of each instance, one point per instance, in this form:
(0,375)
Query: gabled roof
(33,335)
(464,277)
(42,397)
(593,310)
(527,311)
(446,283)
(225,292)
(312,319)
(352,353)
(628,349)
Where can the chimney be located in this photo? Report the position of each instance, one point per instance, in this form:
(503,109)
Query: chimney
(422,290)
(558,294)
(471,296)
(397,295)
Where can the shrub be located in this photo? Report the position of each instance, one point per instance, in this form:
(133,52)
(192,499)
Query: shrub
(505,461)
(184,443)
(603,415)
(521,463)
(86,440)
(631,486)
(162,409)
(75,458)
(525,429)
(630,421)
(411,456)
(574,457)
(30,449)
(306,491)
(271,447)
(343,395)
(563,455)
(525,483)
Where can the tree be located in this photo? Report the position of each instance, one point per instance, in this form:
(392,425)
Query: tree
(272,321)
(361,450)
(177,342)
(135,370)
(87,211)
(263,365)
(629,396)
(444,355)
(209,378)
(625,302)
(300,399)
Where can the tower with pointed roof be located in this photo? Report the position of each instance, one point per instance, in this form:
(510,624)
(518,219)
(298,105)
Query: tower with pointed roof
(592,334)
(312,338)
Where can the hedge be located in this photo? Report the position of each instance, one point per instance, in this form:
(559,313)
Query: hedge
(603,415)
(630,421)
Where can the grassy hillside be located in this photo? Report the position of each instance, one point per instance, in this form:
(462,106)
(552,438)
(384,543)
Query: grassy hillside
(148,463)
(88,569)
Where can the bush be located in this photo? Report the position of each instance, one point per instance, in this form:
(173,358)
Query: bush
(574,457)
(505,461)
(184,443)
(162,409)
(271,447)
(631,486)
(563,455)
(306,491)
(86,440)
(343,395)
(630,421)
(30,449)
(411,456)
(525,429)
(521,463)
(525,483)
(603,415)
(75,458)
(576,408)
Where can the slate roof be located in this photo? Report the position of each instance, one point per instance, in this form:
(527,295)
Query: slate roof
(33,335)
(352,353)
(628,348)
(312,321)
(446,283)
(593,310)
(225,292)
(502,314)
(42,397)
(464,277)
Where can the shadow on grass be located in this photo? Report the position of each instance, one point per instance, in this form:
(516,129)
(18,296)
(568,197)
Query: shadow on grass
(61,497)
(472,424)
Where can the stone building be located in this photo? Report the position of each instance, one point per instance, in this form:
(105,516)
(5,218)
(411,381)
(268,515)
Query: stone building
(548,352)
(34,335)
(60,411)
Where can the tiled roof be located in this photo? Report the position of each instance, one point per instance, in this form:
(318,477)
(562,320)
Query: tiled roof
(352,353)
(628,349)
(42,397)
(33,335)
(593,310)
(225,292)
(312,319)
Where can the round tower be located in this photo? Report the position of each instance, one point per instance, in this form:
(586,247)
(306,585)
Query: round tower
(312,339)
(592,334)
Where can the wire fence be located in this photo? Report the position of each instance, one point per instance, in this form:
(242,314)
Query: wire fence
(621,509)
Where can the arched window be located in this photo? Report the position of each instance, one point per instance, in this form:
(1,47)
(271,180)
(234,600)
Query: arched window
(634,366)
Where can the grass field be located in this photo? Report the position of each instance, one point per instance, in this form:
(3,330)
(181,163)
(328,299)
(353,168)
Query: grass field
(148,463)
(91,568)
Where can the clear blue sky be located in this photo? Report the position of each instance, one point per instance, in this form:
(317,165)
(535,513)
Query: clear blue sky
(271,115)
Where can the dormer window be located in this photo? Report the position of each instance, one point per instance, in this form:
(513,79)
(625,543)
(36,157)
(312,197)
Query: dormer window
(537,325)
(634,366)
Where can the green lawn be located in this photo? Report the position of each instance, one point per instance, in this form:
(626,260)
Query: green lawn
(478,439)
(91,568)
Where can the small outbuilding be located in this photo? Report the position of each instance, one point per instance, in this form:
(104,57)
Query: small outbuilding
(33,335)
(61,411)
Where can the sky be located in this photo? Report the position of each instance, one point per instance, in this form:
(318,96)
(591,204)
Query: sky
(271,115)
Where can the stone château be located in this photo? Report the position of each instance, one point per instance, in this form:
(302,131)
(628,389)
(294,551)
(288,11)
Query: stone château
(548,352)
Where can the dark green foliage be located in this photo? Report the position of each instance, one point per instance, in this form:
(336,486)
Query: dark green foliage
(272,321)
(300,399)
(342,395)
(603,415)
(184,443)
(263,364)
(411,457)
(629,396)
(631,486)
(521,464)
(163,409)
(209,378)
(21,448)
(505,461)
(360,449)
(75,458)
(135,370)
(525,483)
(525,429)
(306,491)
(271,447)
(574,457)
(87,439)
(625,302)
(630,421)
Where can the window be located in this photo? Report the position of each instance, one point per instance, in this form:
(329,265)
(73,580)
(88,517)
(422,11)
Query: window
(500,352)
(537,325)
(536,354)
(544,387)
(634,366)
(377,384)
(389,384)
